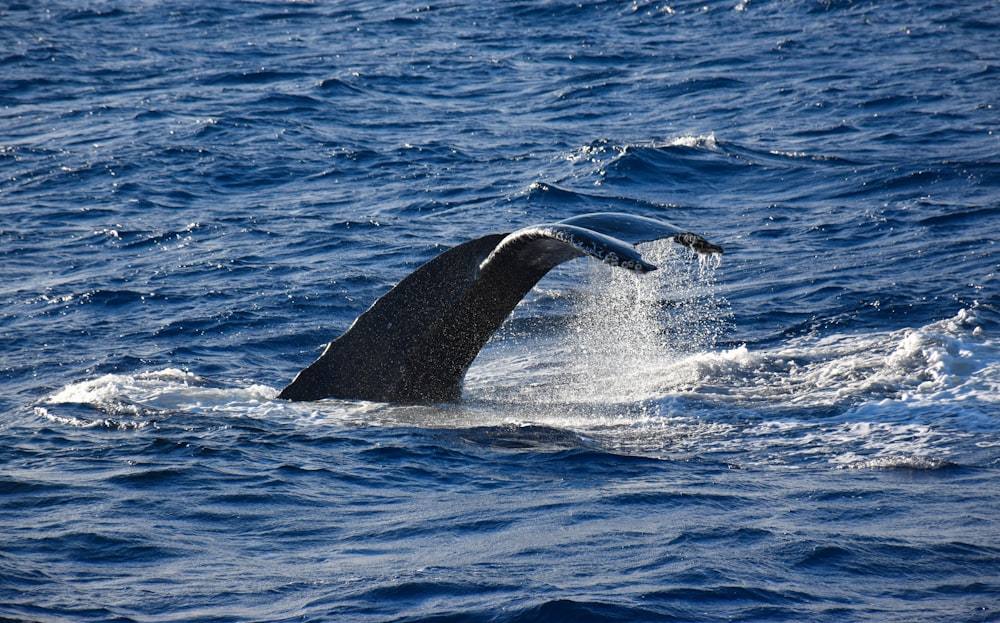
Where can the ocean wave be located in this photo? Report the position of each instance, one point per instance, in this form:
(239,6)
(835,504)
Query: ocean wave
(197,196)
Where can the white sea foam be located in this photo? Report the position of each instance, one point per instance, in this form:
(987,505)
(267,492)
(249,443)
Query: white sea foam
(946,361)
(706,141)
(132,400)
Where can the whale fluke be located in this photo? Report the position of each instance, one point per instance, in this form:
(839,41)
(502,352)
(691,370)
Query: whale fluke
(416,342)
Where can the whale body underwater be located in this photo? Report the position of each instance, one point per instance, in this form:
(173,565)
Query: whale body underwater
(416,342)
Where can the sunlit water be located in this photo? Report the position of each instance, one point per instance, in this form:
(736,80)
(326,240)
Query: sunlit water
(196,198)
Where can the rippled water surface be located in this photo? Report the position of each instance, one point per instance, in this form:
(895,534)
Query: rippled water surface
(195,198)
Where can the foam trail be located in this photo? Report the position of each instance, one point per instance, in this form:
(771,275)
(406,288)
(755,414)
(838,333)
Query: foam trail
(134,400)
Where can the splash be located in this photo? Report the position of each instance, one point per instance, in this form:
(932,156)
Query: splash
(630,331)
(625,342)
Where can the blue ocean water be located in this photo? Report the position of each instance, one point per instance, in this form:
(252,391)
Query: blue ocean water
(196,197)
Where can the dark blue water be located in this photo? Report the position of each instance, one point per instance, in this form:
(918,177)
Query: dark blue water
(195,197)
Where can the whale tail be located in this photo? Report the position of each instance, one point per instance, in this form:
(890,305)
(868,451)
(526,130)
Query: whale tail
(416,342)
